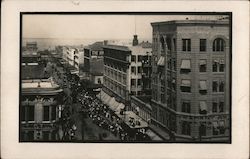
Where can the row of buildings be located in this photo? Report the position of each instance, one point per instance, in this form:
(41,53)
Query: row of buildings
(179,84)
(41,100)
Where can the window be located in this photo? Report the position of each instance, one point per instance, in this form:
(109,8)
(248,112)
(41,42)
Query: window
(218,44)
(203,65)
(203,44)
(219,128)
(215,66)
(185,86)
(133,69)
(139,69)
(46,135)
(163,98)
(23,113)
(186,44)
(132,82)
(174,42)
(185,66)
(202,130)
(185,107)
(218,66)
(30,113)
(221,107)
(139,82)
(174,64)
(185,128)
(53,112)
(214,108)
(139,58)
(203,107)
(222,66)
(46,113)
(203,87)
(133,58)
(30,135)
(99,81)
(215,86)
(168,40)
(221,86)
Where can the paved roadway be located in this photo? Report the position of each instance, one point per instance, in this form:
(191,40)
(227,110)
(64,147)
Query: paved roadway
(86,129)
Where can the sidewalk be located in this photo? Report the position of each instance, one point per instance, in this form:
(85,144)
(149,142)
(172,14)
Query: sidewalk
(163,134)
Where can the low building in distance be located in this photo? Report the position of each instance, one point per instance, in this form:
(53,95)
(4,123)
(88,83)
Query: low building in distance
(93,66)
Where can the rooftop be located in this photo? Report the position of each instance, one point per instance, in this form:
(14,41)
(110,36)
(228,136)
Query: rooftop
(193,22)
(117,47)
(145,44)
(144,99)
(139,50)
(97,46)
(40,86)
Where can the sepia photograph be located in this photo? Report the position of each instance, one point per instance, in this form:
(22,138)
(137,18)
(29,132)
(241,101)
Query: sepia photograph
(125,77)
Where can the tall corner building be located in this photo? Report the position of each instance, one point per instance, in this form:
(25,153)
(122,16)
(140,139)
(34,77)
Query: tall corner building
(191,79)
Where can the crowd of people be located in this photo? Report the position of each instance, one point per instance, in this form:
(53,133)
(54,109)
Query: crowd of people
(105,118)
(68,125)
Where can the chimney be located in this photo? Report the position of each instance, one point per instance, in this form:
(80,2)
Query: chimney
(105,42)
(135,40)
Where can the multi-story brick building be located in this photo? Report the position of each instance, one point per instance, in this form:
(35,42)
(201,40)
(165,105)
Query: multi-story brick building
(93,59)
(123,71)
(191,79)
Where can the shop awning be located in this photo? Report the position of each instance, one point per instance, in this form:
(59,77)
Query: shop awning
(216,61)
(203,85)
(153,136)
(185,64)
(74,71)
(185,83)
(120,106)
(161,61)
(203,105)
(111,102)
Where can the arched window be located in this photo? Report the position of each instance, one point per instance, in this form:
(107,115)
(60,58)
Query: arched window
(218,44)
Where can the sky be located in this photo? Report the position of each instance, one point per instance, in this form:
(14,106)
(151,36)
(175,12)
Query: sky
(94,26)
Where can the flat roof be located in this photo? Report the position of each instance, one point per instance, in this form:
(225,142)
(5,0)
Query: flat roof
(37,83)
(117,47)
(190,22)
(139,50)
(37,86)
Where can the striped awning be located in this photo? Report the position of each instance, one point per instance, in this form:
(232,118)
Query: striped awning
(185,64)
(203,85)
(161,61)
(185,83)
(203,105)
(203,62)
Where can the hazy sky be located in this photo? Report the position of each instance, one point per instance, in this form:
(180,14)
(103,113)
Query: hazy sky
(94,26)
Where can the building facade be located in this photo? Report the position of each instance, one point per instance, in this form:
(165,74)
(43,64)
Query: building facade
(40,110)
(123,70)
(191,79)
(93,59)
